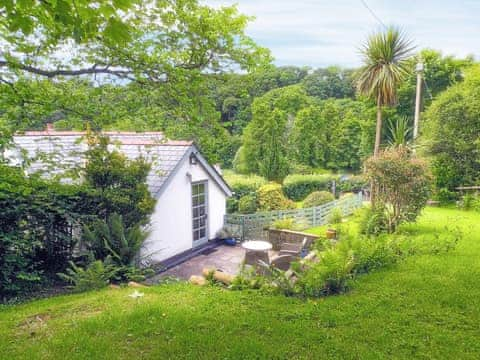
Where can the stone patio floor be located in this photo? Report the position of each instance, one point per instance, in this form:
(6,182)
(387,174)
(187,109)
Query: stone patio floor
(223,257)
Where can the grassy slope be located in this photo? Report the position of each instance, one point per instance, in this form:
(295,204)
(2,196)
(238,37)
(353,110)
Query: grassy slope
(426,307)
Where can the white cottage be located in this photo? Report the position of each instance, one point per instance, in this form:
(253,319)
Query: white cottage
(191,194)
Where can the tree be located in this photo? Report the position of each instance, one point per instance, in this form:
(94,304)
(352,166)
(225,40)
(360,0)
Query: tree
(451,133)
(266,138)
(384,68)
(157,53)
(157,41)
(331,82)
(333,134)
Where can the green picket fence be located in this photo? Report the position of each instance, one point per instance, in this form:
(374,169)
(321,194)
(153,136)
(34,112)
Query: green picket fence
(252,226)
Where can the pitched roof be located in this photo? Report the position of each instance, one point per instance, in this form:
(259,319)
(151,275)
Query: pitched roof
(68,147)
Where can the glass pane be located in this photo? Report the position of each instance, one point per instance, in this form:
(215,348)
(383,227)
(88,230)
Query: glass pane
(201,210)
(201,199)
(195,201)
(196,223)
(202,221)
(202,232)
(195,189)
(196,235)
(196,212)
(201,188)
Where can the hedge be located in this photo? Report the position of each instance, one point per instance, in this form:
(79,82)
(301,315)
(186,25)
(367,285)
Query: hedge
(297,187)
(271,197)
(243,184)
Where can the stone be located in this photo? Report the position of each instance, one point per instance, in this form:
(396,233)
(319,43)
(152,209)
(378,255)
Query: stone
(197,280)
(135,284)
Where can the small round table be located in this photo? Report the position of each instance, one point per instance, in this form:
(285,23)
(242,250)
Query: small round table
(256,250)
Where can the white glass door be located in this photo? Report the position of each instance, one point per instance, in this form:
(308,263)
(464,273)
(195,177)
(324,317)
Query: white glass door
(199,213)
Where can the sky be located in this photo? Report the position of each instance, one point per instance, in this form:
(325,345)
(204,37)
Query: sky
(329,32)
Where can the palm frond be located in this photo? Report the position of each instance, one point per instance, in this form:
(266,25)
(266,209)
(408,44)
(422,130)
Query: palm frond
(384,56)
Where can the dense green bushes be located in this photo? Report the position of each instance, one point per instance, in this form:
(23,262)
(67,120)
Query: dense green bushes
(270,197)
(297,187)
(401,184)
(40,218)
(317,198)
(452,125)
(243,184)
(248,204)
(36,225)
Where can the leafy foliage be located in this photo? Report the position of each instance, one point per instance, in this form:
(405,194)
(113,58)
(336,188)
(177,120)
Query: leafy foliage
(95,276)
(385,55)
(451,133)
(42,217)
(248,204)
(113,239)
(402,185)
(270,197)
(266,143)
(297,187)
(318,198)
(121,183)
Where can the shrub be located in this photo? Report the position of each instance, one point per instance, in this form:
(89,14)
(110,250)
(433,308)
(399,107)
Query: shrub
(335,216)
(401,185)
(373,222)
(94,276)
(445,196)
(20,270)
(232,205)
(287,224)
(120,182)
(470,202)
(329,275)
(297,187)
(112,238)
(243,184)
(271,197)
(247,204)
(317,198)
(353,183)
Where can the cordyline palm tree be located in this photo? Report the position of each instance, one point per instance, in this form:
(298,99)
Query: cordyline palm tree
(384,68)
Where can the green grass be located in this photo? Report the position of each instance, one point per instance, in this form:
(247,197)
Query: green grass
(425,307)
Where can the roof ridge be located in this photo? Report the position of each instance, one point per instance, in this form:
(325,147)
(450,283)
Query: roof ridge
(74,132)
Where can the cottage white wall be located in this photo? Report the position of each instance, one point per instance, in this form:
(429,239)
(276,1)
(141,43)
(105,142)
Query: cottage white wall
(171,222)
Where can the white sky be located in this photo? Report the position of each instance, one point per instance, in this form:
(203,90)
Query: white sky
(329,32)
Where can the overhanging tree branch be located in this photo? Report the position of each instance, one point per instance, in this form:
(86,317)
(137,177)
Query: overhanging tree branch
(95,69)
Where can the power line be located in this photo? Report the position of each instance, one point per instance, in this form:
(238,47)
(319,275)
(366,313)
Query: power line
(373,13)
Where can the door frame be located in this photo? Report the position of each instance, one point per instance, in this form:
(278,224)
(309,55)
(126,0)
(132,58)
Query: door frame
(203,240)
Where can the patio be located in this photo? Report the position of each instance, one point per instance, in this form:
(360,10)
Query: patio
(223,257)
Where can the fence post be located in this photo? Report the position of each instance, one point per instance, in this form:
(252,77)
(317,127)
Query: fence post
(243,228)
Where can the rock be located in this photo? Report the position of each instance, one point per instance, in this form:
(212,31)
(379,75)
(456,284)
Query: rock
(197,280)
(221,276)
(113,286)
(135,284)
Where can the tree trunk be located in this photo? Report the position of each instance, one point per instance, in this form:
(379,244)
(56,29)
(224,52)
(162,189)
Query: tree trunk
(378,131)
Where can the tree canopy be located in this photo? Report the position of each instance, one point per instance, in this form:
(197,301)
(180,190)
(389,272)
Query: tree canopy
(452,133)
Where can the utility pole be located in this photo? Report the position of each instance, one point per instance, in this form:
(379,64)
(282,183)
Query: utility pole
(418,99)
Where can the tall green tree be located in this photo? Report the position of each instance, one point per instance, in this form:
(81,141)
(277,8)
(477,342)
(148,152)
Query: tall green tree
(384,56)
(452,133)
(266,138)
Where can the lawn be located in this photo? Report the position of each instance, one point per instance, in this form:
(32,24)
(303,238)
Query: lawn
(425,307)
